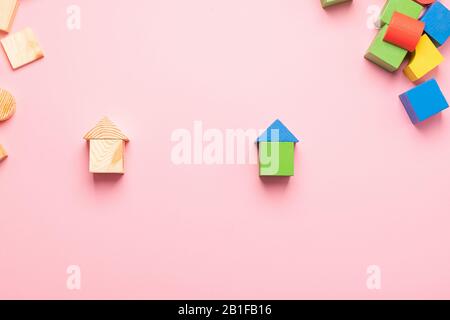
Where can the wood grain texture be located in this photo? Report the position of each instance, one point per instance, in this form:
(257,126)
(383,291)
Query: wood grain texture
(3,154)
(22,48)
(106,156)
(8,9)
(105,130)
(7,105)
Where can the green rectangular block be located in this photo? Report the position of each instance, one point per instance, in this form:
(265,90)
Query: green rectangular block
(407,7)
(276,158)
(328,3)
(384,54)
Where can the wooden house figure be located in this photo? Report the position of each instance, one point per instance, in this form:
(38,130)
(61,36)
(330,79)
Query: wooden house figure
(106,148)
(276,151)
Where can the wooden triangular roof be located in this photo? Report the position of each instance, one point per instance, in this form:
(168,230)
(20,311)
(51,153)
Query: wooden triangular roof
(105,130)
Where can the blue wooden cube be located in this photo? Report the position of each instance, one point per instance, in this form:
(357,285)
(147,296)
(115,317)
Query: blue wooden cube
(424,101)
(437,22)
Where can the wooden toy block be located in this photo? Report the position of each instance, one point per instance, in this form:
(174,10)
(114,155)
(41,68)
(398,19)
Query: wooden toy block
(22,48)
(3,154)
(424,101)
(404,31)
(425,2)
(407,7)
(437,22)
(423,60)
(328,3)
(8,9)
(276,151)
(276,159)
(106,148)
(7,105)
(384,54)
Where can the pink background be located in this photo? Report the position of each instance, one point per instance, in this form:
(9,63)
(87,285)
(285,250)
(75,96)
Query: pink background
(370,188)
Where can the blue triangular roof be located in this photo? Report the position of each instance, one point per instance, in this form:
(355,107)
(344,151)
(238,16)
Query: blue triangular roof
(277,128)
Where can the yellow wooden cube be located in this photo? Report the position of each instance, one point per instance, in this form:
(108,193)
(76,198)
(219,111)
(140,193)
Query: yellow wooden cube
(423,60)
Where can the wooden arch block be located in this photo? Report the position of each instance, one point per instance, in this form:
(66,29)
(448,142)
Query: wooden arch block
(404,31)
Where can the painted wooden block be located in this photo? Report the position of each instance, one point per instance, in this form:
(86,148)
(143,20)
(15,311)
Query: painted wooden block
(404,31)
(424,101)
(385,54)
(3,154)
(276,151)
(106,148)
(8,9)
(437,22)
(22,48)
(7,105)
(407,7)
(425,2)
(328,3)
(423,60)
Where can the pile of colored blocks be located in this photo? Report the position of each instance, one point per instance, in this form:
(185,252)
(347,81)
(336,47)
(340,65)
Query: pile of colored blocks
(404,30)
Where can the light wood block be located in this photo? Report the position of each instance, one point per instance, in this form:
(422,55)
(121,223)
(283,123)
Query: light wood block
(423,60)
(22,48)
(3,154)
(107,145)
(7,105)
(8,9)
(106,156)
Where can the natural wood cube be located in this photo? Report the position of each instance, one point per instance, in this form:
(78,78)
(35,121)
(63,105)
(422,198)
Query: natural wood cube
(8,9)
(106,156)
(22,48)
(3,154)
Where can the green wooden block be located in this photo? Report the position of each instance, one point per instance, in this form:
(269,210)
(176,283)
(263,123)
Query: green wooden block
(328,3)
(276,158)
(384,54)
(407,7)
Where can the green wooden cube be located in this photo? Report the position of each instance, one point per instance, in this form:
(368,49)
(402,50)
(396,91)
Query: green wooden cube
(384,54)
(407,7)
(328,3)
(276,158)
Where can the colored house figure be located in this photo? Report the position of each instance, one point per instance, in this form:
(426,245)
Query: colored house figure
(276,151)
(106,148)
